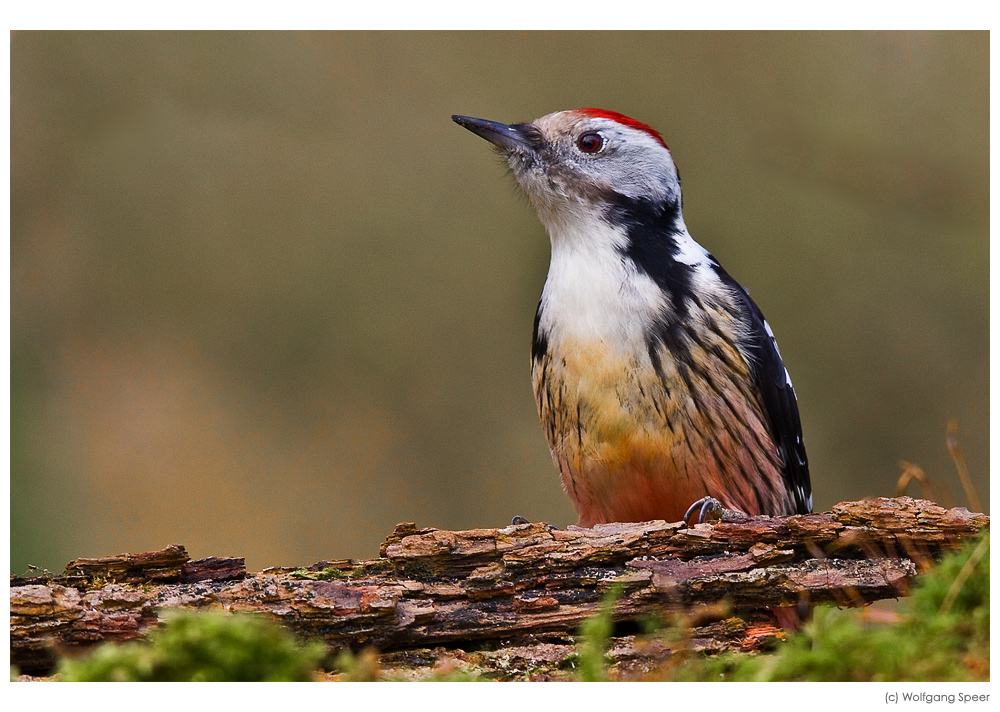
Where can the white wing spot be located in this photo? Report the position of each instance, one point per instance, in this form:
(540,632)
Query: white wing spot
(767,328)
(788,377)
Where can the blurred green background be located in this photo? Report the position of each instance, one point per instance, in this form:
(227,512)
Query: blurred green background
(267,300)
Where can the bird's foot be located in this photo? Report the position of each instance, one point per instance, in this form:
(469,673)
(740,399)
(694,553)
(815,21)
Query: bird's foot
(708,509)
(518,519)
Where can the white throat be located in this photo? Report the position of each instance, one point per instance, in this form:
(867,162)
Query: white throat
(593,294)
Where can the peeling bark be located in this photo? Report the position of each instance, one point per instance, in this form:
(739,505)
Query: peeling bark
(518,589)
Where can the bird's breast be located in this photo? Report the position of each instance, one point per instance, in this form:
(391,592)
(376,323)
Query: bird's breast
(640,428)
(598,400)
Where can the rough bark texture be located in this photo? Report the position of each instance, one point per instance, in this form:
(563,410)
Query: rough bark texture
(516,595)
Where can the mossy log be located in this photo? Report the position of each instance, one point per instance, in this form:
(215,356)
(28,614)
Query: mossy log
(513,588)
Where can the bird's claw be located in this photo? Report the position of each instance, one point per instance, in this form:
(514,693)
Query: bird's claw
(709,509)
(518,520)
(705,508)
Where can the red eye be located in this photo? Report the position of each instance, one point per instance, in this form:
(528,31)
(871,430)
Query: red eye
(590,142)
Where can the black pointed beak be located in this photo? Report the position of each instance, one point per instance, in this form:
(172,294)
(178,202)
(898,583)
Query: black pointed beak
(503,136)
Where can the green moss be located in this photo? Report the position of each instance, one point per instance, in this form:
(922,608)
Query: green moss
(211,647)
(365,569)
(570,662)
(324,575)
(595,632)
(371,568)
(943,634)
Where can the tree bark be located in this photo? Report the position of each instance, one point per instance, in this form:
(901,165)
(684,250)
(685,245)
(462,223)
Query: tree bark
(520,588)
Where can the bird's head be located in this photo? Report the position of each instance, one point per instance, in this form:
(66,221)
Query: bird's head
(584,160)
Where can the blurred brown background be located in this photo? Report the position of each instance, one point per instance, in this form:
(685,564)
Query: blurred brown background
(267,300)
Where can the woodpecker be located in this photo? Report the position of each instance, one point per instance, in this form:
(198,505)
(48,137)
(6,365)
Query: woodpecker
(658,382)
